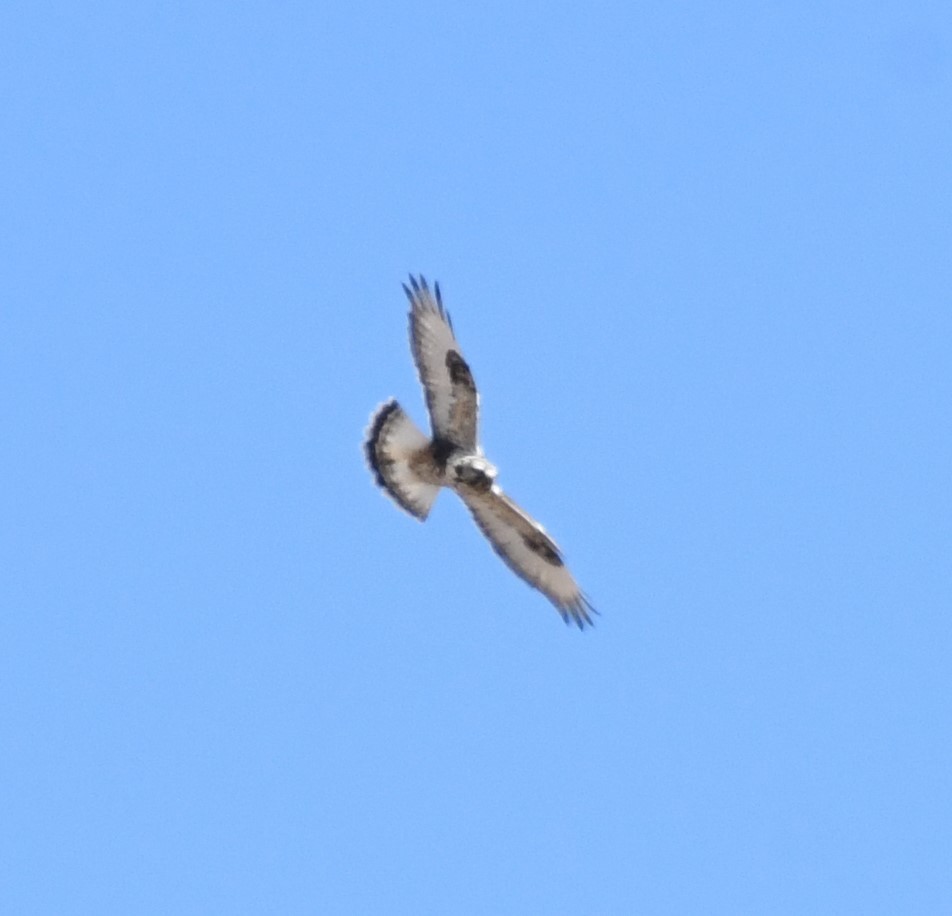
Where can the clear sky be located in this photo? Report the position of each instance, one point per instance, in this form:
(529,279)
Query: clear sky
(699,257)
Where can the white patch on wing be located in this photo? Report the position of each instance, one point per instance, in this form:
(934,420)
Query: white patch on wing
(528,551)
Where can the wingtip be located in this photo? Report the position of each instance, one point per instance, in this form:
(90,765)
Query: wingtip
(419,290)
(579,612)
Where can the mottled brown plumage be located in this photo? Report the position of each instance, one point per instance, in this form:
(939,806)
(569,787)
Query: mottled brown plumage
(411,468)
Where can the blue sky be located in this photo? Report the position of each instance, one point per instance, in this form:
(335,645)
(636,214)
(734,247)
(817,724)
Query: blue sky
(699,257)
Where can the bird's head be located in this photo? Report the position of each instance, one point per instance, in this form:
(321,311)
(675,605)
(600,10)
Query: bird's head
(475,471)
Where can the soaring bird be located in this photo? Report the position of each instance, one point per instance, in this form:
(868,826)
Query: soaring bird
(411,468)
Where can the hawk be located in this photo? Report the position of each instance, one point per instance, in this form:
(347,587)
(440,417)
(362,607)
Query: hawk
(411,468)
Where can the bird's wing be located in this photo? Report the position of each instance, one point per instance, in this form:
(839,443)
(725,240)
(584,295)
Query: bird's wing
(528,551)
(451,396)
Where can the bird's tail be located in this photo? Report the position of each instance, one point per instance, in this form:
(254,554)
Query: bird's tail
(392,439)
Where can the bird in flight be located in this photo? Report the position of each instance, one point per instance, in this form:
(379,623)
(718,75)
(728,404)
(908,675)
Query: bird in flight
(411,468)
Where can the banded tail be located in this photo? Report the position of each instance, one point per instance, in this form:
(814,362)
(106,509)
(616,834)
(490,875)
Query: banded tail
(393,439)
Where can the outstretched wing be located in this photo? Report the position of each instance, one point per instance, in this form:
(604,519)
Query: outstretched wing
(528,551)
(451,396)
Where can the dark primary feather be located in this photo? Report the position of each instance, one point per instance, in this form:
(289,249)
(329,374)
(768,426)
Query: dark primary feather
(421,286)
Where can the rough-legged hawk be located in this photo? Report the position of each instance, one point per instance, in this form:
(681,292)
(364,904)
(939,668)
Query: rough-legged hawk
(411,468)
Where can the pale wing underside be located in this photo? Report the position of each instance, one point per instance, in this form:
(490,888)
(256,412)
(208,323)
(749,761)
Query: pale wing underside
(451,396)
(528,551)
